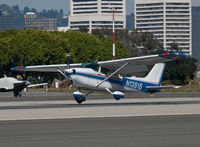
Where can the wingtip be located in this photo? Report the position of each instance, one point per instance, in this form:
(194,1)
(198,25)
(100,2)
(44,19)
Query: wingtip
(173,54)
(18,68)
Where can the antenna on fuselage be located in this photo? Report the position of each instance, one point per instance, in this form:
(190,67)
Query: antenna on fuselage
(97,59)
(68,67)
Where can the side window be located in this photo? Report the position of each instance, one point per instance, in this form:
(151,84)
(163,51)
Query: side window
(105,71)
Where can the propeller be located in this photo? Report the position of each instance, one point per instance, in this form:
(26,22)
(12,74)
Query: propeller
(67,75)
(69,81)
(68,60)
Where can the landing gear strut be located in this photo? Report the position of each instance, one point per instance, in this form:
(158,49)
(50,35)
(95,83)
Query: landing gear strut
(17,93)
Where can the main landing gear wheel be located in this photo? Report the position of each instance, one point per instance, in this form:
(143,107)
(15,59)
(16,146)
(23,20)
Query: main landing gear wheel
(117,98)
(17,94)
(79,100)
(79,97)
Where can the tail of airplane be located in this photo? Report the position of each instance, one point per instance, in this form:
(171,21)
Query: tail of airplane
(156,74)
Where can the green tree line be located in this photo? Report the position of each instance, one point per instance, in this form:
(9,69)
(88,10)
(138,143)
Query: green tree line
(36,47)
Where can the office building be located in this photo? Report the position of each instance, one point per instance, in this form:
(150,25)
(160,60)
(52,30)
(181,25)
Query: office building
(196,33)
(48,24)
(168,20)
(95,14)
(6,21)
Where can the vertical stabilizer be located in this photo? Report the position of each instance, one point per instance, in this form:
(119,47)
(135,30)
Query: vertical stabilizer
(156,74)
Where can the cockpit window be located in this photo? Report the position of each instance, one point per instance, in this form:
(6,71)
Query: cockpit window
(92,65)
(105,71)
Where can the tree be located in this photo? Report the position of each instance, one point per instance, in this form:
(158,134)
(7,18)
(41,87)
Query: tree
(36,47)
(179,70)
(84,29)
(174,47)
(137,43)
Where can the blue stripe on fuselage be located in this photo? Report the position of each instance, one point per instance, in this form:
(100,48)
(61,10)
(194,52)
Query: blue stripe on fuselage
(138,85)
(115,81)
(133,84)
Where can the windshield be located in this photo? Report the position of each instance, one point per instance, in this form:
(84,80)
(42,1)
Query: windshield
(92,65)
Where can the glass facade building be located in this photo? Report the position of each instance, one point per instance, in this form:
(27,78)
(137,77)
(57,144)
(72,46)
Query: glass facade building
(168,20)
(48,24)
(196,33)
(94,14)
(6,21)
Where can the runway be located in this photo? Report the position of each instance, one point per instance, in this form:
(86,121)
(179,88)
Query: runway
(154,131)
(98,108)
(140,122)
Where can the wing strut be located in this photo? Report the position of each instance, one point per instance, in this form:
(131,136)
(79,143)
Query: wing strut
(61,72)
(112,74)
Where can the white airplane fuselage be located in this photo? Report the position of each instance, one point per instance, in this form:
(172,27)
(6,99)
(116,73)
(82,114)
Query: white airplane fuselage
(7,83)
(88,78)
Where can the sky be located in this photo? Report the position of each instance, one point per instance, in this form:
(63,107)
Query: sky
(61,4)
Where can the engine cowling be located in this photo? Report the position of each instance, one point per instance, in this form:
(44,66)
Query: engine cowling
(118,95)
(79,97)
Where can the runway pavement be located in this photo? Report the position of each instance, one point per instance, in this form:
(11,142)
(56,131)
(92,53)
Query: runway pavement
(98,108)
(154,131)
(57,120)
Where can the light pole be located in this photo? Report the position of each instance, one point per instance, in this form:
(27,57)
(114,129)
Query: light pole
(113,33)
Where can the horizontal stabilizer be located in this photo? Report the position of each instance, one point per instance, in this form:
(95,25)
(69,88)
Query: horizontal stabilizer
(162,87)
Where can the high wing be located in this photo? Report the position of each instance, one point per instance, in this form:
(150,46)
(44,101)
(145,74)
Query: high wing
(45,68)
(133,64)
(139,64)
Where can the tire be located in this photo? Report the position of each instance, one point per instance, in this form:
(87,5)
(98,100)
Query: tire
(79,100)
(117,99)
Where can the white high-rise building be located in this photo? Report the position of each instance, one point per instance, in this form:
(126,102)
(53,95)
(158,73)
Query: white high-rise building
(93,14)
(168,20)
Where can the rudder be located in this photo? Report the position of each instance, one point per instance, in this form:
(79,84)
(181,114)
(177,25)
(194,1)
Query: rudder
(156,74)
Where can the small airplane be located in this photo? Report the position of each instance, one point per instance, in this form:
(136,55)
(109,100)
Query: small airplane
(106,75)
(12,84)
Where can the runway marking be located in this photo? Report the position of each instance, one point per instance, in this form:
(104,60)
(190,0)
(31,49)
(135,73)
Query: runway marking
(98,108)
